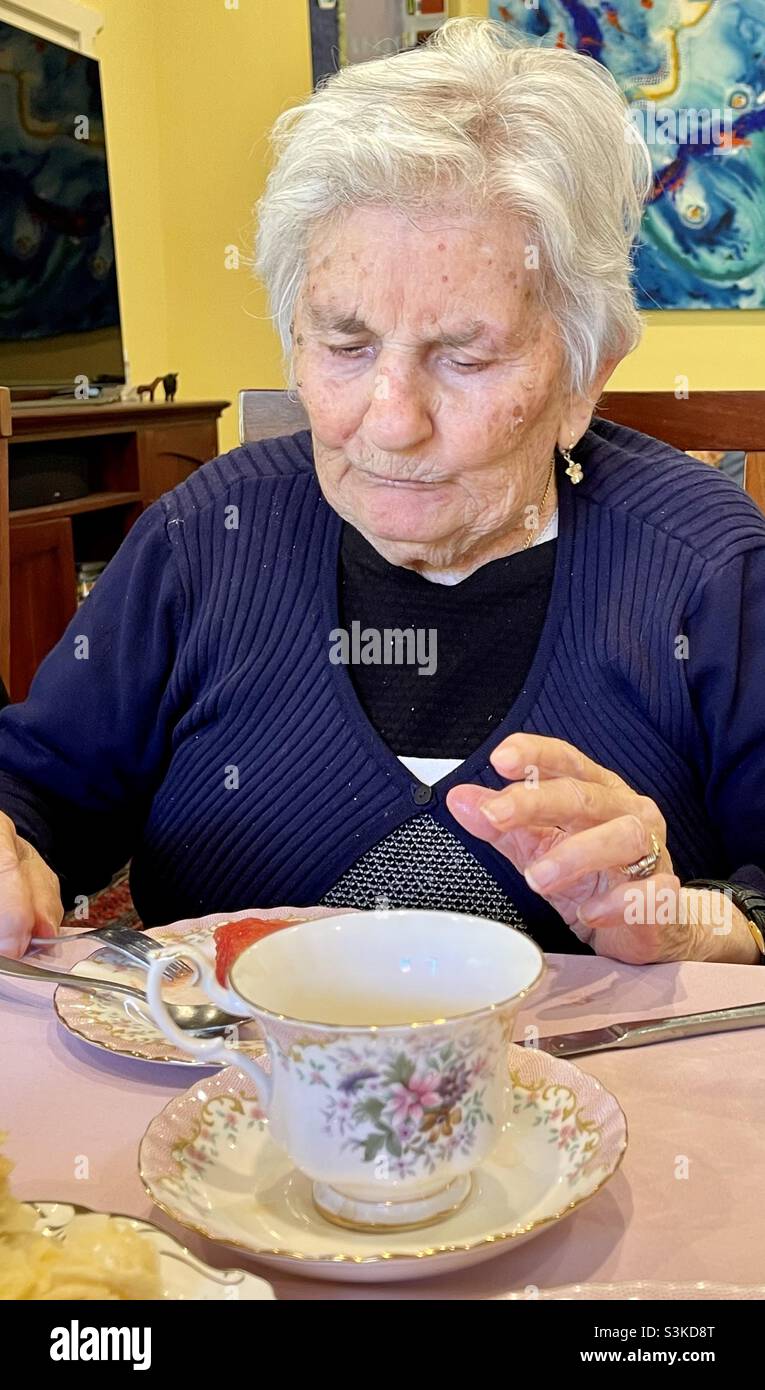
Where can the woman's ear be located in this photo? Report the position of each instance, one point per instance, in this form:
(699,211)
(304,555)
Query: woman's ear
(578,410)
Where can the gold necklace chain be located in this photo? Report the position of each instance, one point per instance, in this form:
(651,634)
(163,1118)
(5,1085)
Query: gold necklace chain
(532,533)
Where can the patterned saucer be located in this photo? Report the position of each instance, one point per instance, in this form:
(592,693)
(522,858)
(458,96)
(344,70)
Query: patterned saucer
(116,1023)
(120,1024)
(183,1275)
(208,1161)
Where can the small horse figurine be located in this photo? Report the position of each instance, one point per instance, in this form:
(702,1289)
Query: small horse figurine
(169,384)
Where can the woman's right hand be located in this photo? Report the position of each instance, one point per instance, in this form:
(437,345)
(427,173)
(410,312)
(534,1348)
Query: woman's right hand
(30,897)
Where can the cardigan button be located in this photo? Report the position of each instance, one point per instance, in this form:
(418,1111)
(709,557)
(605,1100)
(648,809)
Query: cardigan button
(421,794)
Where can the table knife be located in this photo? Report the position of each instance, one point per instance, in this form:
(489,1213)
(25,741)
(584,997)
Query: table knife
(638,1032)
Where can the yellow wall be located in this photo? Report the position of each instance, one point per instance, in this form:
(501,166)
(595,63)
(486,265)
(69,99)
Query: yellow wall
(190,91)
(129,80)
(721,350)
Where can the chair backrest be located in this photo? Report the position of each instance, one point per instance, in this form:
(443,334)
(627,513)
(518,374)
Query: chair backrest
(710,420)
(268,414)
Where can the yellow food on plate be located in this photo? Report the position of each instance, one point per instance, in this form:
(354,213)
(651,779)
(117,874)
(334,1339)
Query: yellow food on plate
(94,1257)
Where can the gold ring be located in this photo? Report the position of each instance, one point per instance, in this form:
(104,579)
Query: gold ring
(644,867)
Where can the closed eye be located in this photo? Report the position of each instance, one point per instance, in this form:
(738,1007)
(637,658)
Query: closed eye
(351,351)
(347,351)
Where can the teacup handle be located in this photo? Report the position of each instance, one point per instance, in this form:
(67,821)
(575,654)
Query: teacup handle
(205,1049)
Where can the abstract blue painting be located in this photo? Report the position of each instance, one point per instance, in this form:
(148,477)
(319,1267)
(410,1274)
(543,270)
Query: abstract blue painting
(694,74)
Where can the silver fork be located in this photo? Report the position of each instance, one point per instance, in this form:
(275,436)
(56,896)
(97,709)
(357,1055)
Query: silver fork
(132,943)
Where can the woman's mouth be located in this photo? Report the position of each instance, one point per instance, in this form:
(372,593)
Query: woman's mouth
(401,482)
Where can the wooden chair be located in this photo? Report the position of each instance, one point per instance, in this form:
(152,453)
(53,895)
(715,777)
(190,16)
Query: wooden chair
(714,420)
(268,414)
(709,420)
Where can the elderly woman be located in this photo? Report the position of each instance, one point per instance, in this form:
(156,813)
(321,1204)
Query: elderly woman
(456,645)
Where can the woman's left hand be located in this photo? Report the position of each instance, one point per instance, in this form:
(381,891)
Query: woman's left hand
(567,813)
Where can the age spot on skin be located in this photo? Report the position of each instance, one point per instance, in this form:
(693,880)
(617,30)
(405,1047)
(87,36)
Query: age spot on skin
(497,416)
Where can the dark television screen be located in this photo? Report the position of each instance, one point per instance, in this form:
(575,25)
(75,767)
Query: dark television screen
(59,305)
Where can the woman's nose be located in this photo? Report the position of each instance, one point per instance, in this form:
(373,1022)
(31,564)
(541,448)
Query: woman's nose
(398,415)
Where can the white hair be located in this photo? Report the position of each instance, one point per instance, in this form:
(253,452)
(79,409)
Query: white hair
(481,115)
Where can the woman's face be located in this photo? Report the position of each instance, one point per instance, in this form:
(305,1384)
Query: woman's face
(432,381)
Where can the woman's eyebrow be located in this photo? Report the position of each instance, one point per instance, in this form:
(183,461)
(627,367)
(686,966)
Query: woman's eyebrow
(330,321)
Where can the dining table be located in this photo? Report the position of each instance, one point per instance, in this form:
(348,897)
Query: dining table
(681,1218)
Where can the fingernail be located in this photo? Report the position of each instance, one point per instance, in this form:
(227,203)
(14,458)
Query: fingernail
(585,917)
(497,815)
(541,875)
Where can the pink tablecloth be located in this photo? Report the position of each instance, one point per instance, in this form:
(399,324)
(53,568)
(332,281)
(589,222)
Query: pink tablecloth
(702,1100)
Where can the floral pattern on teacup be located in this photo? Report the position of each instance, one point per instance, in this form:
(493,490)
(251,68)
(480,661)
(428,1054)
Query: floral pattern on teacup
(407,1109)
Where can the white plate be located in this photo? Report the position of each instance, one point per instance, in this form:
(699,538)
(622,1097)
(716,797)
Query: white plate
(208,1161)
(183,1275)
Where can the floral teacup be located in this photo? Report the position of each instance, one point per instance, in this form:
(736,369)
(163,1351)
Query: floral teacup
(387,1036)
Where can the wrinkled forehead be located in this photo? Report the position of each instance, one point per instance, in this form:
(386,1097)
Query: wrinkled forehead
(473,278)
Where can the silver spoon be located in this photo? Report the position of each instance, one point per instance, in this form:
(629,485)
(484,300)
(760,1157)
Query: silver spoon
(195,1018)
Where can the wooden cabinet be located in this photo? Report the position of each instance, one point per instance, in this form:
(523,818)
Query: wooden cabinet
(43,594)
(168,455)
(128,454)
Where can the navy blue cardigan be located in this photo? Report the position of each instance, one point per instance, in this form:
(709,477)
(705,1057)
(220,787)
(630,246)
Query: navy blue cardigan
(190,717)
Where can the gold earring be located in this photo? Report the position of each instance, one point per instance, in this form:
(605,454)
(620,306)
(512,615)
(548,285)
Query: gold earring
(574,470)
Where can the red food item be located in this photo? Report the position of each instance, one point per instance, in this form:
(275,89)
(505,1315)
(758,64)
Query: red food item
(231,938)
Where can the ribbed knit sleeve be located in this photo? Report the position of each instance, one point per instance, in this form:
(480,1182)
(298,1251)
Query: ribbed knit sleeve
(82,756)
(726,677)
